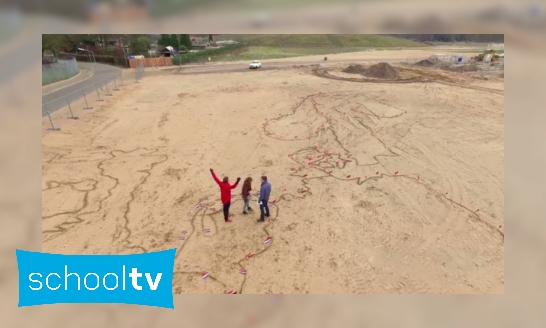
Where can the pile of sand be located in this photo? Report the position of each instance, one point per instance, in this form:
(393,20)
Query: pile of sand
(355,69)
(425,63)
(382,71)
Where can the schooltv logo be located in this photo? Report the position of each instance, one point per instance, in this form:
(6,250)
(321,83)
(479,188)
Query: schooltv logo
(141,279)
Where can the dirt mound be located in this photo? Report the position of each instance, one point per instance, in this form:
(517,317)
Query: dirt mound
(425,63)
(355,69)
(382,71)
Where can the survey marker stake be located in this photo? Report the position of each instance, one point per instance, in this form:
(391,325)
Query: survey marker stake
(98,94)
(71,117)
(52,128)
(86,103)
(108,90)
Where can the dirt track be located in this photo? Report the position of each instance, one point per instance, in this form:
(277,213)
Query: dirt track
(379,188)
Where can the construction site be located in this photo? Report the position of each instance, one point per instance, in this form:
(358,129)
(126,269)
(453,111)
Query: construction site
(387,174)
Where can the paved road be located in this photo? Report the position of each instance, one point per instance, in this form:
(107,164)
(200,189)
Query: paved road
(102,75)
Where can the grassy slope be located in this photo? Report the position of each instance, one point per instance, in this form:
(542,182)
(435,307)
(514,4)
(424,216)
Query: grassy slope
(263,46)
(320,40)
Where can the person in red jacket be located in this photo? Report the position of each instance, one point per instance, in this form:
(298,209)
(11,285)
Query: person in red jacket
(225,192)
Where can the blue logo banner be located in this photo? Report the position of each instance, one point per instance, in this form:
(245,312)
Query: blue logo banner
(141,279)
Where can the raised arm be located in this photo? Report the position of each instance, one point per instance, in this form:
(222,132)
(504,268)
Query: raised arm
(236,183)
(214,176)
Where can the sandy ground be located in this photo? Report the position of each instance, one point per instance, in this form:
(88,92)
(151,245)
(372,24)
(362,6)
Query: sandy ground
(379,187)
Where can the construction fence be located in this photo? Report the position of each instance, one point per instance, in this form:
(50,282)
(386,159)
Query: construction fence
(86,98)
(61,70)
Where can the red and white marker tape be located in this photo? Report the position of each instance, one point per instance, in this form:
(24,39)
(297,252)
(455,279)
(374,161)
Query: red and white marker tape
(198,206)
(205,275)
(249,255)
(268,240)
(232,292)
(206,230)
(242,271)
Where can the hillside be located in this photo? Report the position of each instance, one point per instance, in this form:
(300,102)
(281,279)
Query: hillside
(320,40)
(479,38)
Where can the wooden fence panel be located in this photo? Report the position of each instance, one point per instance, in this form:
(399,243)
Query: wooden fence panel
(152,62)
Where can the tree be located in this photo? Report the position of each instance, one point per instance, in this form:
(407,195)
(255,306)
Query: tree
(51,42)
(185,40)
(140,44)
(164,40)
(63,42)
(174,41)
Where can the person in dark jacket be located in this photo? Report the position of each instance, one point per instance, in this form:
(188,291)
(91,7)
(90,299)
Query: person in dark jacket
(247,188)
(265,191)
(225,192)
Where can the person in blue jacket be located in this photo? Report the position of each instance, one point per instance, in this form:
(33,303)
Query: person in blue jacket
(265,191)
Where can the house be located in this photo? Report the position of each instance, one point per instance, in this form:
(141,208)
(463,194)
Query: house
(199,38)
(114,45)
(196,46)
(168,51)
(226,43)
(199,41)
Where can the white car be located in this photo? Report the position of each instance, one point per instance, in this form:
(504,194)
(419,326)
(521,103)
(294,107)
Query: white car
(255,64)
